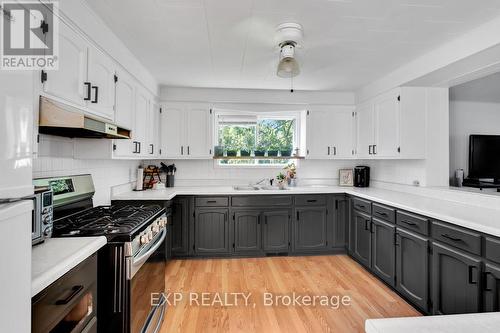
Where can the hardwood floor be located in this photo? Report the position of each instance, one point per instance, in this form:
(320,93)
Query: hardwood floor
(313,276)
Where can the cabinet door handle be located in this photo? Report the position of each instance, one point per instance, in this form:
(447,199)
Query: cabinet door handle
(487,280)
(335,150)
(297,215)
(366,225)
(374,149)
(409,222)
(182,150)
(371,227)
(74,291)
(454,239)
(135,147)
(139,143)
(152,149)
(96,94)
(369,149)
(258,220)
(472,275)
(89,91)
(188,151)
(397,239)
(328,150)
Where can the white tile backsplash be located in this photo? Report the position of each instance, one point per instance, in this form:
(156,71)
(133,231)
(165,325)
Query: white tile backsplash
(55,158)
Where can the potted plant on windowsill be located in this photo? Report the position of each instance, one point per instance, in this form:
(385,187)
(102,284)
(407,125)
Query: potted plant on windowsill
(273,151)
(286,152)
(231,152)
(260,151)
(244,152)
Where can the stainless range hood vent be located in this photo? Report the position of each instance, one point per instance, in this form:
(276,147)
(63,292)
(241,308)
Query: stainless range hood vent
(63,120)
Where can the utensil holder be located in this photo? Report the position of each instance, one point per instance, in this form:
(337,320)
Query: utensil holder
(170,180)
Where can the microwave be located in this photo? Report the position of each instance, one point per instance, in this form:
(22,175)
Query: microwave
(42,218)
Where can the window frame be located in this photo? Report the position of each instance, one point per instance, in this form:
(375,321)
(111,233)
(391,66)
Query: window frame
(299,133)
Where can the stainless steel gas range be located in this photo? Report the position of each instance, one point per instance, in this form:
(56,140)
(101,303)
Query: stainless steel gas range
(131,268)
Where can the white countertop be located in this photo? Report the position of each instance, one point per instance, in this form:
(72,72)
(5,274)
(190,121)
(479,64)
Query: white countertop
(56,256)
(466,323)
(482,219)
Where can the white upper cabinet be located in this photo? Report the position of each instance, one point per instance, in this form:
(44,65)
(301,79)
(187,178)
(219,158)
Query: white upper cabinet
(366,129)
(330,132)
(139,132)
(125,112)
(198,131)
(67,83)
(172,133)
(186,131)
(392,125)
(101,76)
(386,121)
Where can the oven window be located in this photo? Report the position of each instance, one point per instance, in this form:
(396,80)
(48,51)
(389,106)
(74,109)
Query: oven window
(62,186)
(77,315)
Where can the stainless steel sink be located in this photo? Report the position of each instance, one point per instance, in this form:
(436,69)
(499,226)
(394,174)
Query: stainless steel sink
(255,188)
(246,188)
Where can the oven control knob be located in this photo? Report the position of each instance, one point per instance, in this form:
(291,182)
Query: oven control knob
(144,239)
(155,228)
(47,232)
(150,235)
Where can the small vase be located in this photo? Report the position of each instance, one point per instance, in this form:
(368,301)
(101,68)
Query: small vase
(282,185)
(292,182)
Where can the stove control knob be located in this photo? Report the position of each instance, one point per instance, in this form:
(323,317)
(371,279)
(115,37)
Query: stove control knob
(144,239)
(155,228)
(47,232)
(150,235)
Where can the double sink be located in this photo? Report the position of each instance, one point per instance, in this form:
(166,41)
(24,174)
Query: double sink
(256,188)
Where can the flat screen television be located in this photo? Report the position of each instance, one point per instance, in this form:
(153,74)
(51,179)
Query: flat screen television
(484,157)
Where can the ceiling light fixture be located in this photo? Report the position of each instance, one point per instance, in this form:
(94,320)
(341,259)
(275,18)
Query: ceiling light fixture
(288,37)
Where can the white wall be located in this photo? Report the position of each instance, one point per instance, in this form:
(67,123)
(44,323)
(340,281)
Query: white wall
(466,118)
(55,158)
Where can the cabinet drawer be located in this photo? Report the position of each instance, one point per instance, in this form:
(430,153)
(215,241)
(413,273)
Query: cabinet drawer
(310,200)
(362,205)
(463,239)
(261,200)
(212,201)
(413,222)
(492,249)
(54,302)
(384,213)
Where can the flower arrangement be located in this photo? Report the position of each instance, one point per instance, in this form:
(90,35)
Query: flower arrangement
(291,171)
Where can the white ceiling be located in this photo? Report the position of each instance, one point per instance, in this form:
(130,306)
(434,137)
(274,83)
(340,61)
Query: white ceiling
(230,43)
(485,90)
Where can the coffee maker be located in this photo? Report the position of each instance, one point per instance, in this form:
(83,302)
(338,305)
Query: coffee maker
(361,176)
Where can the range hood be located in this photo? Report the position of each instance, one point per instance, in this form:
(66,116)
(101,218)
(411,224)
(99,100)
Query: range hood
(63,120)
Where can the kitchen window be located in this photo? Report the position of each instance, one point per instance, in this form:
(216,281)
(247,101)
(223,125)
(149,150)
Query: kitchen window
(257,139)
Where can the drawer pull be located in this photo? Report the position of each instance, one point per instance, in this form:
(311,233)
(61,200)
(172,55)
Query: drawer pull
(486,281)
(382,214)
(409,222)
(472,279)
(451,238)
(211,201)
(361,206)
(312,200)
(74,291)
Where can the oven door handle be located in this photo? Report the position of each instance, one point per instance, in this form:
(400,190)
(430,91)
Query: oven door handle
(159,307)
(137,262)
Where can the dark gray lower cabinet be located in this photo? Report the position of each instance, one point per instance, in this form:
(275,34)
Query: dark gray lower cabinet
(275,231)
(247,231)
(179,227)
(211,231)
(362,238)
(456,281)
(339,234)
(412,267)
(310,232)
(383,250)
(491,295)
